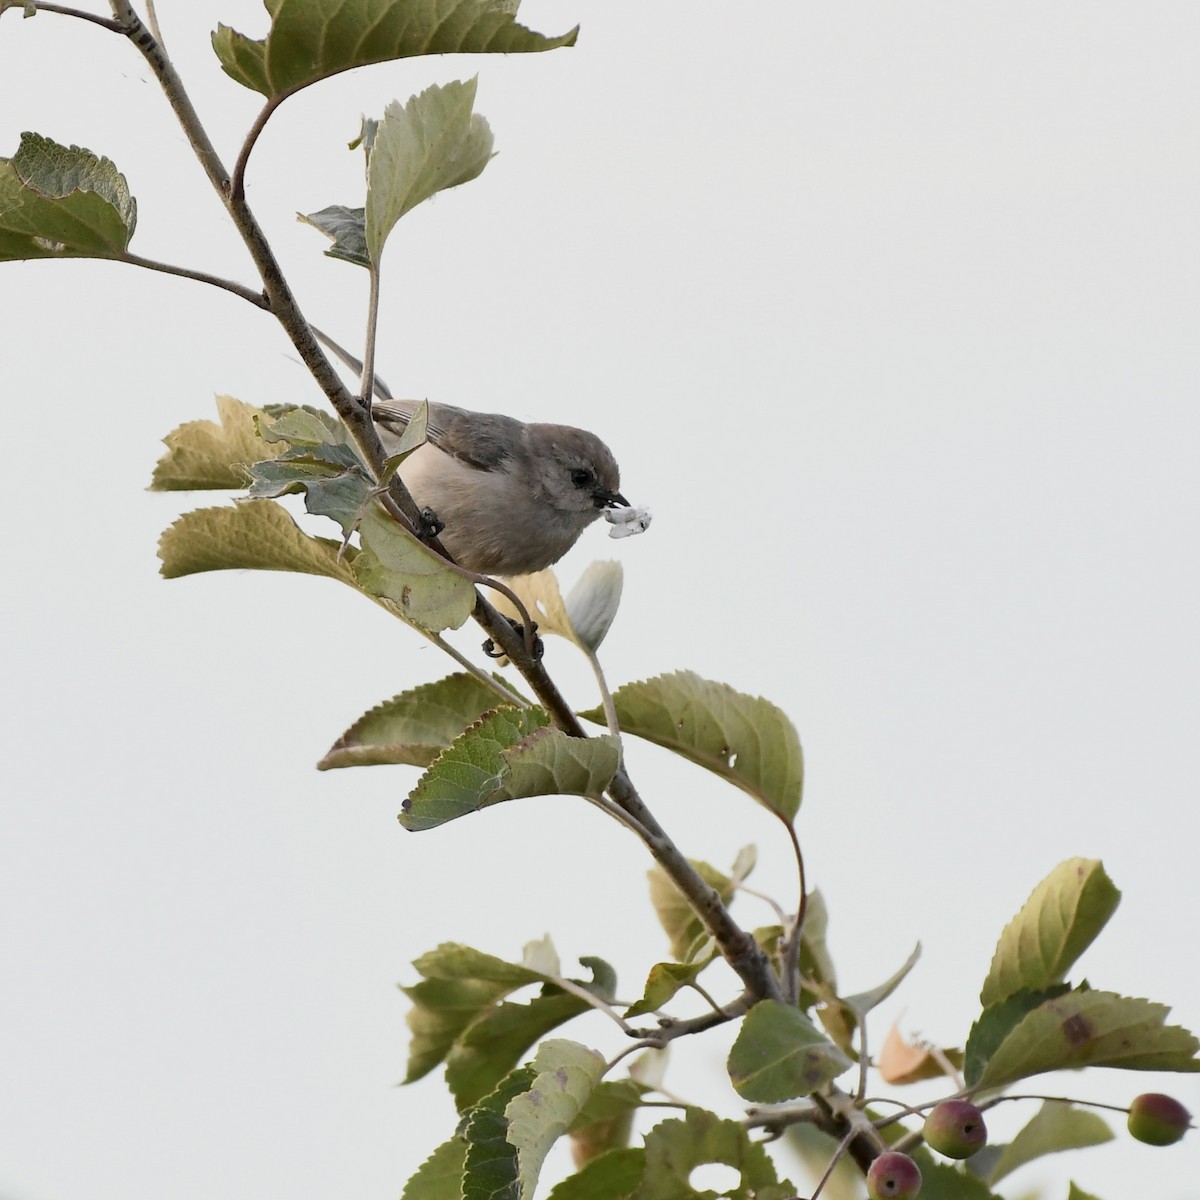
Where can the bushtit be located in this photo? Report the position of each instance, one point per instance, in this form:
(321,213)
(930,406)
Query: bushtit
(513,498)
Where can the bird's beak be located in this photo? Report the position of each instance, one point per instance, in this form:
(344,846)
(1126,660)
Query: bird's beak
(609,500)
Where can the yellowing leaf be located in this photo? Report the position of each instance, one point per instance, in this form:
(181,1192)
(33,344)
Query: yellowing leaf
(395,566)
(256,535)
(744,739)
(208,454)
(567,1073)
(1054,927)
(1086,1028)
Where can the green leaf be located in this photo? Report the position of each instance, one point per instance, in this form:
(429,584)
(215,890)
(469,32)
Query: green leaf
(664,980)
(816,963)
(469,773)
(456,1015)
(329,491)
(550,763)
(62,202)
(1077,1193)
(1054,927)
(460,985)
(345,228)
(491,1168)
(255,534)
(611,1176)
(1086,1028)
(941,1181)
(994,1024)
(442,1010)
(684,929)
(313,39)
(567,1073)
(395,566)
(413,727)
(434,142)
(1054,1127)
(606,1119)
(440,1176)
(205,454)
(863,1002)
(780,1054)
(675,1148)
(494,1043)
(744,739)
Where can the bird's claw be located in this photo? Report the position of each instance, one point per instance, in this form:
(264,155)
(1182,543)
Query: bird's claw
(430,525)
(537,646)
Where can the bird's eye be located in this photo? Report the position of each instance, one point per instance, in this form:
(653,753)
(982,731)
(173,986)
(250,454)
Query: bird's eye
(581,477)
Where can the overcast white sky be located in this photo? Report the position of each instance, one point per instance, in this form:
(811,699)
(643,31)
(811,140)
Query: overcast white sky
(888,311)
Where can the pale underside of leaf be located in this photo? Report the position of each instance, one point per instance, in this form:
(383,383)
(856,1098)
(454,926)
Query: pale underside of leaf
(413,727)
(256,535)
(567,1073)
(1053,1128)
(1055,925)
(433,142)
(211,454)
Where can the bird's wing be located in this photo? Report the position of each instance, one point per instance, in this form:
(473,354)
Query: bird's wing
(482,440)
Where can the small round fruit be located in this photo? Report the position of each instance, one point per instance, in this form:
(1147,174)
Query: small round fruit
(1158,1120)
(955,1128)
(893,1176)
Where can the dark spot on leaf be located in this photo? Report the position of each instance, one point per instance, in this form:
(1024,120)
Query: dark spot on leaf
(1077,1029)
(406,596)
(406,804)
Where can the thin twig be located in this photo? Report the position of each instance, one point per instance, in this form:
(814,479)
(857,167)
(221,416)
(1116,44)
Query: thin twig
(594,1001)
(366,383)
(237,183)
(838,1154)
(506,694)
(776,907)
(672,1029)
(606,700)
(152,21)
(63,11)
(249,294)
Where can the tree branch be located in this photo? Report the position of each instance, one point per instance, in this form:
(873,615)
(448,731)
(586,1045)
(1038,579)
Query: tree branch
(79,14)
(258,299)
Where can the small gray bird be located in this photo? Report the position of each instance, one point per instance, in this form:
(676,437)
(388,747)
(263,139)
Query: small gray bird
(512,497)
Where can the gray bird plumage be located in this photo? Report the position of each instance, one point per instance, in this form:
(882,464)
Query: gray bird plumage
(513,497)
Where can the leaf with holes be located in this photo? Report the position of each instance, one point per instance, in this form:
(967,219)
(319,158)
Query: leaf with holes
(744,739)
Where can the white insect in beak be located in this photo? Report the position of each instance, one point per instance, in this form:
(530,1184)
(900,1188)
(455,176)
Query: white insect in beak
(628,520)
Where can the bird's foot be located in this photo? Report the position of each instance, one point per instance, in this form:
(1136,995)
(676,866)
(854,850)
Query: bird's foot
(430,525)
(537,646)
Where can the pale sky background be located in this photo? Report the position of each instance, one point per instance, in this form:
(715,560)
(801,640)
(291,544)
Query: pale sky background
(889,311)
